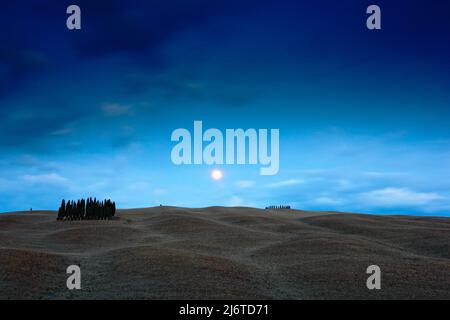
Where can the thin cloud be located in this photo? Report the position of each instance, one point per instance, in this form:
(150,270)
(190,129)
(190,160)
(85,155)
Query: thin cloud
(328,201)
(160,191)
(62,132)
(51,178)
(245,184)
(235,201)
(285,183)
(399,197)
(116,110)
(378,174)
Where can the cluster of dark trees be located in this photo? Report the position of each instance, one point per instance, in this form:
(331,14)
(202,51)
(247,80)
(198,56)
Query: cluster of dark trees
(278,207)
(86,210)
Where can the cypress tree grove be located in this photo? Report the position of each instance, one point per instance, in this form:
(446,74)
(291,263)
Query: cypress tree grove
(86,210)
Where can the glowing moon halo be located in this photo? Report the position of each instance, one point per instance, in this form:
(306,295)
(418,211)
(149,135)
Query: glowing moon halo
(216,174)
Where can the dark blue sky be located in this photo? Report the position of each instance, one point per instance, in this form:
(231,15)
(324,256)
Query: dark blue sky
(363,115)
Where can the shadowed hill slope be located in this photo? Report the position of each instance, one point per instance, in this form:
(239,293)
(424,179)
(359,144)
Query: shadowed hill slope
(224,253)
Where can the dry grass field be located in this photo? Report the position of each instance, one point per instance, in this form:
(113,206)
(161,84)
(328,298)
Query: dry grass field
(224,253)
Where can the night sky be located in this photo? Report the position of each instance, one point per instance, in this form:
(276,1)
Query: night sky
(363,115)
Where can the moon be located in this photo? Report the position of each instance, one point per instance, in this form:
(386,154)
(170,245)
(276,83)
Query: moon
(216,174)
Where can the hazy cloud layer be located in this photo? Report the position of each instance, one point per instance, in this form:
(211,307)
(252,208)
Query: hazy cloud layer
(363,117)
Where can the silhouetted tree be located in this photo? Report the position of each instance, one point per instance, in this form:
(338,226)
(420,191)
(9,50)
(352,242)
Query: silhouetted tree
(86,209)
(278,207)
(62,211)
